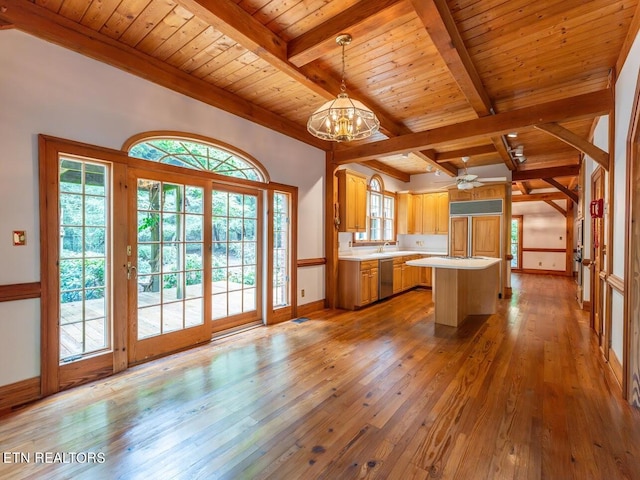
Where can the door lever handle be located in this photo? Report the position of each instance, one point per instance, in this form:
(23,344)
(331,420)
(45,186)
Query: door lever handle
(132,271)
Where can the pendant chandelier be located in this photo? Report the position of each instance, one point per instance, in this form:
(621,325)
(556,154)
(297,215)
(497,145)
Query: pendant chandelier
(343,119)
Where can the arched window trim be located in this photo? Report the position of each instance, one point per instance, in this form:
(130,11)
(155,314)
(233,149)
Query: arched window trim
(365,238)
(194,138)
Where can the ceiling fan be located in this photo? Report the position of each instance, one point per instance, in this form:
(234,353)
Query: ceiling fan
(467,180)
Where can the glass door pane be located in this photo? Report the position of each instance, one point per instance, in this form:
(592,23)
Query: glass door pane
(84,256)
(281,239)
(235,255)
(170,226)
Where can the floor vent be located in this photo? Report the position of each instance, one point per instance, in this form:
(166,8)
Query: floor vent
(300,320)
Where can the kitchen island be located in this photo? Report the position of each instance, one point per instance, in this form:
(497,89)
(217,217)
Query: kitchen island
(463,286)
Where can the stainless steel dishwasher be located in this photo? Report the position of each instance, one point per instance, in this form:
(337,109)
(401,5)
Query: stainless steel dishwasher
(385,277)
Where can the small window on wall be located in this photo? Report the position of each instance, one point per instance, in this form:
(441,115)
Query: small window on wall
(380,214)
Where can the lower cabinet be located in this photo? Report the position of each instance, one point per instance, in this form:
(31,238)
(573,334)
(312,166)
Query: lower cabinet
(358,280)
(357,283)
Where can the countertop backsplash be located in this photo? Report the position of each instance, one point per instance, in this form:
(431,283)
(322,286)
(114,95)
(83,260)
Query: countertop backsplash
(432,244)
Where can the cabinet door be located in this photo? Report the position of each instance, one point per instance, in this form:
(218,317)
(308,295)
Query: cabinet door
(365,287)
(373,284)
(405,213)
(397,278)
(417,213)
(352,199)
(360,204)
(442,212)
(429,212)
(486,236)
(407,276)
(458,236)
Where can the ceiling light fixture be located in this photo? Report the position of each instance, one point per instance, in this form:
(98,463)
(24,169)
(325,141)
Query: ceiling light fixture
(519,151)
(343,119)
(512,134)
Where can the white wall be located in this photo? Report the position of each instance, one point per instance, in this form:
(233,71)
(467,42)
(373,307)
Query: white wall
(625,92)
(47,89)
(542,227)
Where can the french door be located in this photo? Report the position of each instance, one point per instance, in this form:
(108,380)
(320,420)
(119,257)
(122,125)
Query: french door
(236,258)
(139,262)
(193,261)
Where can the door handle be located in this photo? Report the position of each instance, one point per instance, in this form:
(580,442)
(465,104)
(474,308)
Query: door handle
(132,270)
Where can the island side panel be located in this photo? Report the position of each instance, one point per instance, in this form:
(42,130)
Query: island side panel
(446,297)
(479,290)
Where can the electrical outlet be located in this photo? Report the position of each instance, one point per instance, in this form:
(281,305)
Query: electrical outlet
(539,264)
(302,293)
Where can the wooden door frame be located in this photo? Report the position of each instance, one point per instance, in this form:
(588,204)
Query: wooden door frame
(597,290)
(631,354)
(142,350)
(53,376)
(520,219)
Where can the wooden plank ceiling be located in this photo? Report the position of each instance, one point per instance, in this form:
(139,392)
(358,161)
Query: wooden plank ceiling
(446,78)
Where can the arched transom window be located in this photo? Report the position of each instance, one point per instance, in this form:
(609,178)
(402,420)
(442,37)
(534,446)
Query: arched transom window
(197,155)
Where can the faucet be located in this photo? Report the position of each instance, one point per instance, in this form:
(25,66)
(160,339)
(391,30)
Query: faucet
(381,248)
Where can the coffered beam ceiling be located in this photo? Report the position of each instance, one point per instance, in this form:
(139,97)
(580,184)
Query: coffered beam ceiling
(366,17)
(572,108)
(230,19)
(441,27)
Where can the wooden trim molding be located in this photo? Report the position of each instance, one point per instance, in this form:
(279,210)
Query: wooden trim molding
(586,305)
(616,283)
(545,250)
(616,366)
(311,262)
(309,308)
(19,291)
(19,393)
(542,272)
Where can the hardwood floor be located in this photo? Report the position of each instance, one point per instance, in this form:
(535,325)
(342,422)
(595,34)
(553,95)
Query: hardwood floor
(378,393)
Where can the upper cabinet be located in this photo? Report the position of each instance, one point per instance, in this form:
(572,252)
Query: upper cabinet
(485,192)
(352,200)
(431,213)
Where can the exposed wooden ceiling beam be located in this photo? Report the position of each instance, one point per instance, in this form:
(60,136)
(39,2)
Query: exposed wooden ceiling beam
(538,197)
(541,173)
(523,187)
(577,142)
(6,25)
(45,24)
(367,16)
(430,157)
(230,19)
(553,204)
(441,27)
(580,106)
(378,166)
(572,195)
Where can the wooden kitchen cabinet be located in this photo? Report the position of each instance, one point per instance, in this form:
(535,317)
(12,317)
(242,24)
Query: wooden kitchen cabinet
(397,274)
(459,236)
(357,283)
(485,238)
(405,213)
(431,213)
(352,201)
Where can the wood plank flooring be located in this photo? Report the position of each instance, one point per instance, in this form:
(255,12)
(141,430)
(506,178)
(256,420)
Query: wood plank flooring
(379,393)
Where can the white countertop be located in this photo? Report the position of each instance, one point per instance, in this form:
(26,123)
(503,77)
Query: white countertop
(475,263)
(358,257)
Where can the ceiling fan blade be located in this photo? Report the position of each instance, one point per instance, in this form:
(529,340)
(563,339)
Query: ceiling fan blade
(492,179)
